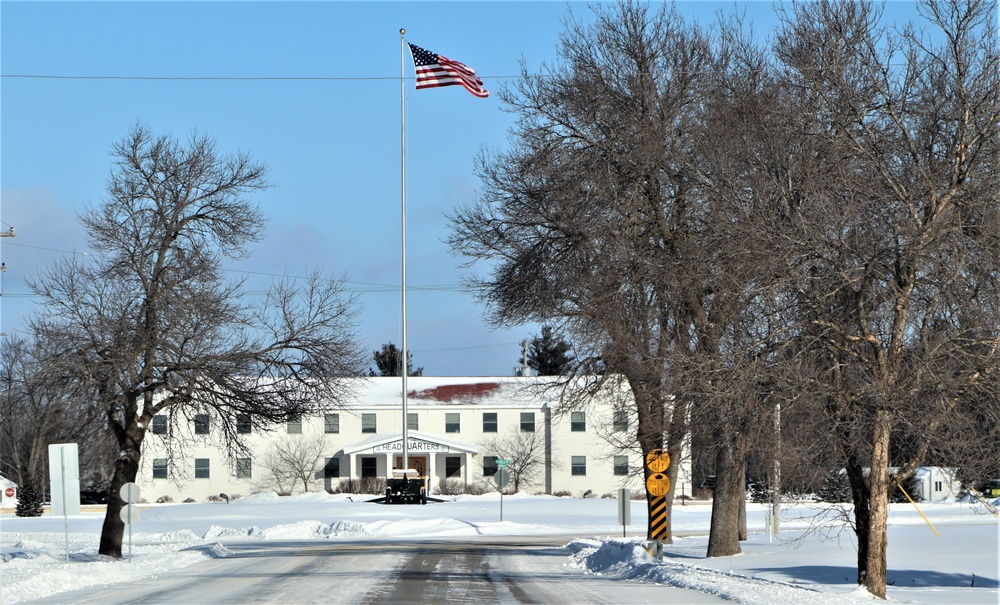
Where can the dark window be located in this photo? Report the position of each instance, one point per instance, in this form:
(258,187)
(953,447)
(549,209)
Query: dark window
(201,424)
(369,467)
(621,421)
(452,466)
(294,426)
(201,468)
(452,424)
(159,468)
(578,421)
(489,422)
(368,424)
(411,422)
(331,423)
(331,468)
(243,424)
(243,468)
(527,422)
(490,465)
(621,465)
(578,465)
(160,424)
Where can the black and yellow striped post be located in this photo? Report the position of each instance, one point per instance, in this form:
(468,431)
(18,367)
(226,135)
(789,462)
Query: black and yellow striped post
(657,486)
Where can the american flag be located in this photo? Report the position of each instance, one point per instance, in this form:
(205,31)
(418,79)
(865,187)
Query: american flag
(434,70)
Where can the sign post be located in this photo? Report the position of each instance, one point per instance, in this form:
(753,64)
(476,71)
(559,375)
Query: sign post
(657,486)
(624,508)
(64,483)
(129,494)
(502,478)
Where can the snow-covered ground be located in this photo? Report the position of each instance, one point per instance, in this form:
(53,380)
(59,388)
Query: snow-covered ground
(814,554)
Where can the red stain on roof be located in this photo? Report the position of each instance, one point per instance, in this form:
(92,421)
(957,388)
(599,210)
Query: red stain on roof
(450,392)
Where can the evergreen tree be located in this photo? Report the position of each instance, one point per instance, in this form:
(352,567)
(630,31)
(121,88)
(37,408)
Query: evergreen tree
(388,363)
(549,355)
(834,488)
(29,500)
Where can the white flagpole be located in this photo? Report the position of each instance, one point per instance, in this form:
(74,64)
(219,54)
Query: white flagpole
(402,141)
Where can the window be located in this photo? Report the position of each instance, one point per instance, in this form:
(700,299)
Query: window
(331,423)
(331,468)
(368,424)
(578,465)
(201,468)
(489,422)
(452,466)
(621,465)
(243,424)
(527,422)
(452,424)
(294,426)
(578,421)
(411,422)
(201,424)
(160,424)
(490,465)
(369,466)
(243,468)
(938,486)
(621,421)
(159,468)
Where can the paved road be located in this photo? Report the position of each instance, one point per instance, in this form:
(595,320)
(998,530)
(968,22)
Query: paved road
(481,571)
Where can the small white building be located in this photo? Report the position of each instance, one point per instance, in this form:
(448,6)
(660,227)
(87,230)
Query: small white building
(935,484)
(8,493)
(456,426)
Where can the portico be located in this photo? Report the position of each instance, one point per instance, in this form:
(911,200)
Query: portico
(433,456)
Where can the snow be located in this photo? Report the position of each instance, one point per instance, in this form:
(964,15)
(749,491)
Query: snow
(812,560)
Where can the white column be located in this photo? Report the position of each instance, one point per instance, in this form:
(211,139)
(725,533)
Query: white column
(430,472)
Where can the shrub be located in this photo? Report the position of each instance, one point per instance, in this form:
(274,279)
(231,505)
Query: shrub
(164,500)
(562,494)
(189,500)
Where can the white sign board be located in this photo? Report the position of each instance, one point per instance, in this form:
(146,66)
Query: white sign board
(130,516)
(129,493)
(64,478)
(415,445)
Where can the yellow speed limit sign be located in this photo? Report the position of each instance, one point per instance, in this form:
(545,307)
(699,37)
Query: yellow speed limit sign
(657,460)
(658,484)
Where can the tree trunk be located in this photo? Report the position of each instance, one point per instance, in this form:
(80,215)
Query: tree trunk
(862,517)
(878,482)
(723,535)
(126,470)
(743,503)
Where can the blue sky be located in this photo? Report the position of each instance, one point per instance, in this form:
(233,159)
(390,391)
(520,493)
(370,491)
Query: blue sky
(324,117)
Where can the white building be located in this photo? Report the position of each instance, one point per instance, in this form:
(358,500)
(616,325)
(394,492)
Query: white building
(935,484)
(456,428)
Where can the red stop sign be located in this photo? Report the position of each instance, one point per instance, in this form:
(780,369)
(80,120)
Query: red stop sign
(9,492)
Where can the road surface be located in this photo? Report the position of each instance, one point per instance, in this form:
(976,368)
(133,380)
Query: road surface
(480,571)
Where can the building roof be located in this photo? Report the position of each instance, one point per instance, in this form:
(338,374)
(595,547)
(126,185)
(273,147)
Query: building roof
(457,390)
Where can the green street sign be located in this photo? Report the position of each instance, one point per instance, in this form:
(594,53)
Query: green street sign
(502,463)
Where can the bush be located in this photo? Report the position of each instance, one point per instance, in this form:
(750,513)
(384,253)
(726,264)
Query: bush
(164,500)
(834,488)
(29,501)
(189,500)
(562,494)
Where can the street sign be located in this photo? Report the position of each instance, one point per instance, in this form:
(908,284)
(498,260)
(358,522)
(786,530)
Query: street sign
(658,484)
(657,460)
(502,478)
(9,492)
(129,493)
(502,463)
(624,507)
(130,516)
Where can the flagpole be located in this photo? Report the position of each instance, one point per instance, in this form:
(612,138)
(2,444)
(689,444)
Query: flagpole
(402,145)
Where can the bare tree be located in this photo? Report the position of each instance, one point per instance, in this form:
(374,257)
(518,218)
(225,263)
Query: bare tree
(296,459)
(38,408)
(588,219)
(896,251)
(149,324)
(526,452)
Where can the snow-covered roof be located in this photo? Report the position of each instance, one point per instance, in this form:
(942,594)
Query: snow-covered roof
(456,390)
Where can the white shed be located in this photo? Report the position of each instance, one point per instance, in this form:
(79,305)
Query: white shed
(935,483)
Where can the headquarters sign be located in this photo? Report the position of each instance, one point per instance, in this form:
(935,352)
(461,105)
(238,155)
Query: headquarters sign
(415,445)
